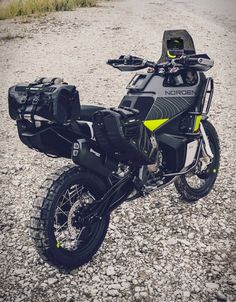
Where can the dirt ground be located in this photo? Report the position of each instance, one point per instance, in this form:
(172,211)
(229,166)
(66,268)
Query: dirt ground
(157,248)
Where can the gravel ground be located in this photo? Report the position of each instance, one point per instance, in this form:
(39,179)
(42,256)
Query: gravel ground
(157,248)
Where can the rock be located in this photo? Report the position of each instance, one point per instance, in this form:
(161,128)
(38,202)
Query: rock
(143,294)
(113,292)
(217,257)
(186,294)
(131,215)
(19,299)
(171,241)
(191,235)
(216,268)
(232,279)
(195,289)
(51,281)
(212,286)
(135,281)
(115,286)
(229,230)
(185,242)
(116,219)
(125,285)
(137,296)
(20,272)
(234,265)
(220,296)
(96,278)
(110,271)
(15,182)
(94,291)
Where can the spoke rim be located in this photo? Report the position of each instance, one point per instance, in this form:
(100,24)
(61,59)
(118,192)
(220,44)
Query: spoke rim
(194,179)
(66,234)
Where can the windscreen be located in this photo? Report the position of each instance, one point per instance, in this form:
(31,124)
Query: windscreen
(176,43)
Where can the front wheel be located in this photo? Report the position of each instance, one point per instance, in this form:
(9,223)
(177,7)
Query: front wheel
(58,227)
(198,183)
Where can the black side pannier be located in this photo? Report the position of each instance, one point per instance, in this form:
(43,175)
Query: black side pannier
(120,133)
(52,140)
(44,100)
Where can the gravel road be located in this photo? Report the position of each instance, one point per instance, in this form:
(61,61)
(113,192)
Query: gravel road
(157,248)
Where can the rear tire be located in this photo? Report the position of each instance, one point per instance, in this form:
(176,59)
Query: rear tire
(191,194)
(52,210)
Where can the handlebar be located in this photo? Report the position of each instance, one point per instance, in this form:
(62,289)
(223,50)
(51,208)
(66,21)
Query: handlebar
(131,63)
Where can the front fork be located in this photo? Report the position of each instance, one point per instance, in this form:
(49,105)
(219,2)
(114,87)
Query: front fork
(207,154)
(206,145)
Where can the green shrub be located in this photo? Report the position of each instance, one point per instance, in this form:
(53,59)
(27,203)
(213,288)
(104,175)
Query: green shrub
(28,7)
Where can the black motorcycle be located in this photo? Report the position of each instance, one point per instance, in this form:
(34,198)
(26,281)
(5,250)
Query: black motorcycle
(159,134)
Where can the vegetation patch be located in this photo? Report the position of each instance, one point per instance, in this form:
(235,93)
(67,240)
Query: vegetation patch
(27,7)
(9,37)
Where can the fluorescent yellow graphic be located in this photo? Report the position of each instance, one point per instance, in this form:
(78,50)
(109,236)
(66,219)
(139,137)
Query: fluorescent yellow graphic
(170,55)
(197,123)
(154,124)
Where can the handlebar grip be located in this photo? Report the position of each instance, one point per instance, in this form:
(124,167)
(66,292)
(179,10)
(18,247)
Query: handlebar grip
(181,60)
(186,60)
(150,64)
(191,60)
(115,61)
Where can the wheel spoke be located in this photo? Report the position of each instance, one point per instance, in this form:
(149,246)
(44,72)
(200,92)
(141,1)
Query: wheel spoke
(60,211)
(73,200)
(65,199)
(61,227)
(68,196)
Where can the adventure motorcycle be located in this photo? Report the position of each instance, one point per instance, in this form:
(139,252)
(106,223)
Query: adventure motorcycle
(158,134)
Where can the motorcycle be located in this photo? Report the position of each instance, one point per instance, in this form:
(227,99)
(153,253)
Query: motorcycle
(158,134)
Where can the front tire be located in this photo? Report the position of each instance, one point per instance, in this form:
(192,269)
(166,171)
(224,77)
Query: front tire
(188,190)
(61,197)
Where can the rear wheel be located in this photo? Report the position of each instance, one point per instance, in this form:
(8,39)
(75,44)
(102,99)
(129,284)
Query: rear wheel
(58,228)
(199,182)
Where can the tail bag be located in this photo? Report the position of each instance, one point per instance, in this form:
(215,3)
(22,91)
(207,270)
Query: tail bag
(44,100)
(44,111)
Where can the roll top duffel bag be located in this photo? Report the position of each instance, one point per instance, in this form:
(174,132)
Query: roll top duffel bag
(45,99)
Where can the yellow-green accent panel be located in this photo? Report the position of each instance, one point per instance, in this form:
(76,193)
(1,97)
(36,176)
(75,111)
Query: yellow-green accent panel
(197,123)
(170,55)
(154,124)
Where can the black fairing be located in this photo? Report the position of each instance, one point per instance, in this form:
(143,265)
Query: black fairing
(148,94)
(174,151)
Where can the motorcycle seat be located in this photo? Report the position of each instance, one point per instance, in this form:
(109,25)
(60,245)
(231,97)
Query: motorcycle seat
(87,111)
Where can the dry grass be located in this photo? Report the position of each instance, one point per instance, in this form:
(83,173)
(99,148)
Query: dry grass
(9,37)
(27,7)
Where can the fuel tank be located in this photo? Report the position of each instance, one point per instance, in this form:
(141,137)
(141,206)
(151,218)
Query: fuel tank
(161,103)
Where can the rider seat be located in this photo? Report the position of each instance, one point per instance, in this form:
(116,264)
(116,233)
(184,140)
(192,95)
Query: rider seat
(87,111)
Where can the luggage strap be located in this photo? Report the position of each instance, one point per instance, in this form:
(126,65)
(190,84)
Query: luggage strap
(126,111)
(35,100)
